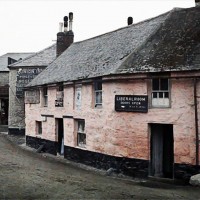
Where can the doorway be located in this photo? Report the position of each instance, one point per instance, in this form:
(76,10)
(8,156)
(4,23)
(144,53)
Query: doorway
(162,150)
(4,111)
(60,136)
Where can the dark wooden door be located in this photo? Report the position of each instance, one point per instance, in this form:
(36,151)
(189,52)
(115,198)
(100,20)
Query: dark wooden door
(60,135)
(162,156)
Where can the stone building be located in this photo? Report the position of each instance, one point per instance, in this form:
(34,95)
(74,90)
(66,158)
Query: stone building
(21,73)
(6,60)
(126,100)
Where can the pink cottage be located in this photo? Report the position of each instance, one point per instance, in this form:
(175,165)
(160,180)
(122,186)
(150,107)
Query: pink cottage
(127,100)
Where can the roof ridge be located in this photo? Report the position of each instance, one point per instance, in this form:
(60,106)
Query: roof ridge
(125,27)
(31,56)
(169,13)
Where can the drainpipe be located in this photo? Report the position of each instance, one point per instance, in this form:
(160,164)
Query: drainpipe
(196,121)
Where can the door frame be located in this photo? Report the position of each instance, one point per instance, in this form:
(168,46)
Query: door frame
(59,135)
(169,144)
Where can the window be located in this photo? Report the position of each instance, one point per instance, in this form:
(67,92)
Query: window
(98,93)
(38,127)
(59,96)
(45,96)
(160,92)
(81,136)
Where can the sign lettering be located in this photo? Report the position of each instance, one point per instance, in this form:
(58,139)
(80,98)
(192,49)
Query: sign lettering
(131,103)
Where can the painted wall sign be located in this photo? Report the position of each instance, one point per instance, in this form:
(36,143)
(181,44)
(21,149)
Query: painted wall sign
(131,103)
(32,96)
(78,98)
(24,76)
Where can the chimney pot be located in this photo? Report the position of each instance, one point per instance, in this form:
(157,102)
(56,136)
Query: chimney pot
(65,23)
(60,26)
(130,20)
(70,21)
(197,2)
(70,16)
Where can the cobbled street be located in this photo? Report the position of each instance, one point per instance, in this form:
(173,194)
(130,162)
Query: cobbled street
(27,175)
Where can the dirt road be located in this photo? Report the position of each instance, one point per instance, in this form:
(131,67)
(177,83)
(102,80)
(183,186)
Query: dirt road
(27,175)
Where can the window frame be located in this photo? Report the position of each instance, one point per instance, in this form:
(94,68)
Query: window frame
(162,101)
(38,128)
(45,96)
(80,133)
(97,85)
(59,92)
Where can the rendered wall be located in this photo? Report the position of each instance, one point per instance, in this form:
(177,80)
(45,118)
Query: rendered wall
(123,134)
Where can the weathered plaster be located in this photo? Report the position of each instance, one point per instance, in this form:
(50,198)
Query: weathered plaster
(121,133)
(16,117)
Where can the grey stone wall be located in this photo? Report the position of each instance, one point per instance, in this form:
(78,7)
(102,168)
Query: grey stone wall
(4,78)
(16,117)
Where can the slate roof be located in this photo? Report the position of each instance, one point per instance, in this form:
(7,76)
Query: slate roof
(174,47)
(39,59)
(162,43)
(16,56)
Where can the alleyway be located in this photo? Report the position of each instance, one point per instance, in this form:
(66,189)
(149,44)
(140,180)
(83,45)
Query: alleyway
(27,175)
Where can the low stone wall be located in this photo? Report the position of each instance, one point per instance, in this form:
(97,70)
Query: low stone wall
(185,171)
(49,146)
(127,166)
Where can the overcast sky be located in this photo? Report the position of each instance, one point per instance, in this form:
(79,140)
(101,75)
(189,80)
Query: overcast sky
(32,25)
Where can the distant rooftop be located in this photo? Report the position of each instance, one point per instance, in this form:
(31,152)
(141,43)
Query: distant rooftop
(13,56)
(39,59)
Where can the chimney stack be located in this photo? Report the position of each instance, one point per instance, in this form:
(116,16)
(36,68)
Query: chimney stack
(66,38)
(130,21)
(197,2)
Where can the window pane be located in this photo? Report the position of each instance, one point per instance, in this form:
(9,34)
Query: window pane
(155,84)
(166,94)
(39,127)
(154,94)
(45,91)
(81,139)
(81,126)
(98,85)
(60,88)
(161,94)
(164,84)
(99,97)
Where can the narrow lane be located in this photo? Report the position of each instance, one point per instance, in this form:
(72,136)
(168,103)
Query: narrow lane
(26,175)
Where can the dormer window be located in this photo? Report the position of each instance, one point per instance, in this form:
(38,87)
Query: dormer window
(160,92)
(98,93)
